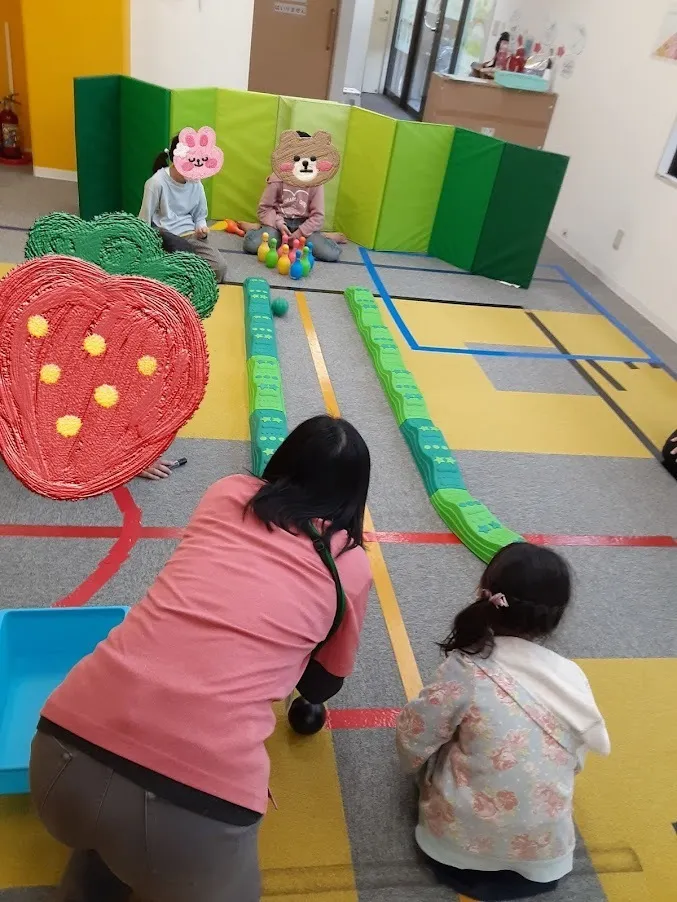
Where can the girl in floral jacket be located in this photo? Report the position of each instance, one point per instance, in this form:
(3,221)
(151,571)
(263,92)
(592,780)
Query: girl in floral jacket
(496,741)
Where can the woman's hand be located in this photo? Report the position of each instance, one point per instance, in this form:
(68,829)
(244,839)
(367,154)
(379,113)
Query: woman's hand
(161,469)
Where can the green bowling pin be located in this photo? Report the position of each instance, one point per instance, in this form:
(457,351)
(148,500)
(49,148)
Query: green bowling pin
(271,256)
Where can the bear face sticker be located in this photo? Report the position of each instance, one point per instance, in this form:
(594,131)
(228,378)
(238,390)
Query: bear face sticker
(305,162)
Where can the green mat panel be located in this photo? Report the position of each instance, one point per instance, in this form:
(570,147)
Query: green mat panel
(267,418)
(364,172)
(246,126)
(418,165)
(97,144)
(310,116)
(466,194)
(519,213)
(124,245)
(193,108)
(468,518)
(144,133)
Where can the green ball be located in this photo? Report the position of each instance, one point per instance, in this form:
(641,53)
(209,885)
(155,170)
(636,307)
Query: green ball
(279,306)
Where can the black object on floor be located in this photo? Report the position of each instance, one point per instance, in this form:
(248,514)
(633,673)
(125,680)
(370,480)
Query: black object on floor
(489,886)
(306,718)
(669,460)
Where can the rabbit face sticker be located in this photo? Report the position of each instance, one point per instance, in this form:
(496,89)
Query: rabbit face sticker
(196,155)
(305,162)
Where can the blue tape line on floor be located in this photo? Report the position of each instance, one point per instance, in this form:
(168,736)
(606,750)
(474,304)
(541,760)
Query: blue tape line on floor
(387,300)
(531,355)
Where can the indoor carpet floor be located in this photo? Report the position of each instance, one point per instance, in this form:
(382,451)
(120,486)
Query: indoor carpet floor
(556,401)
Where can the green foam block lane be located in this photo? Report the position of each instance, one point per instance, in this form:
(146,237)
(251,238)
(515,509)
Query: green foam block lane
(364,173)
(468,518)
(246,129)
(418,164)
(267,418)
(144,133)
(193,108)
(97,144)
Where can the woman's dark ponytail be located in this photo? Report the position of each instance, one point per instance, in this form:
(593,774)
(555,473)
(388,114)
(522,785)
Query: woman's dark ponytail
(165,158)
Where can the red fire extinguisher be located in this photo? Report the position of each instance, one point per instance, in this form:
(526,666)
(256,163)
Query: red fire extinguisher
(10,138)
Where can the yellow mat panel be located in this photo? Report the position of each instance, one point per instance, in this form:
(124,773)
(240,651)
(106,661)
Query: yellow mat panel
(224,410)
(588,333)
(475,416)
(626,804)
(5,268)
(649,398)
(455,326)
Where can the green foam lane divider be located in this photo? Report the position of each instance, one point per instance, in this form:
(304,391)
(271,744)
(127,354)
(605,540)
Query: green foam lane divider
(267,418)
(418,164)
(362,187)
(144,133)
(123,245)
(97,144)
(193,108)
(468,518)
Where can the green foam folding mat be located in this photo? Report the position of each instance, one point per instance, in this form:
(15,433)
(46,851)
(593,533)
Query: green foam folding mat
(364,172)
(144,133)
(193,108)
(267,418)
(468,186)
(468,518)
(97,144)
(525,192)
(418,165)
(122,244)
(246,125)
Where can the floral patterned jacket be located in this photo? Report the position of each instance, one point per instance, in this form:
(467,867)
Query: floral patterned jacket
(496,772)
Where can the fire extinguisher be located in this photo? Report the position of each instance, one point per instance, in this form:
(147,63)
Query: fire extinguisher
(10,138)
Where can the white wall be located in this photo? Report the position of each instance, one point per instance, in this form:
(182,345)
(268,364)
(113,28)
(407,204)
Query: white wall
(175,45)
(359,43)
(613,118)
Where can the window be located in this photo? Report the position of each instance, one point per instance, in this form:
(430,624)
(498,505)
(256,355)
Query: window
(667,168)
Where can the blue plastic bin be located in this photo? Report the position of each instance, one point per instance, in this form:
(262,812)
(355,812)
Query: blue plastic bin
(37,649)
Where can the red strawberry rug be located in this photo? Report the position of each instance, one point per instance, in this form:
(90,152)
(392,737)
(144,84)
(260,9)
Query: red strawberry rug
(97,375)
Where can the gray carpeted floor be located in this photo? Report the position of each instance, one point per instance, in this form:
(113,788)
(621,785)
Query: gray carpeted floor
(624,604)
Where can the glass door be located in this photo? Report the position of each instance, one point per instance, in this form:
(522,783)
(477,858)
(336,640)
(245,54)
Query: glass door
(428,41)
(399,54)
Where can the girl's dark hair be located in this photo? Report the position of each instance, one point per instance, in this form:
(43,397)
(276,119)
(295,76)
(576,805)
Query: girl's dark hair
(505,36)
(536,583)
(165,159)
(320,472)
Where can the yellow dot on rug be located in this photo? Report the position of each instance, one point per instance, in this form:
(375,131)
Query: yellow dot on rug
(38,326)
(94,344)
(50,374)
(146,365)
(68,426)
(106,395)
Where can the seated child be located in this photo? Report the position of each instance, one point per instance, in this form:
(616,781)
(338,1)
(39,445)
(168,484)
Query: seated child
(292,204)
(178,209)
(496,741)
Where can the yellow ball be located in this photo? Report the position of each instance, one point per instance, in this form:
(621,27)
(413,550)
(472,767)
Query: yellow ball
(95,345)
(106,395)
(38,326)
(146,365)
(50,374)
(68,426)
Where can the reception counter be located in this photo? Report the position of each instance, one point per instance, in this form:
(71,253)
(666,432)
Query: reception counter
(522,117)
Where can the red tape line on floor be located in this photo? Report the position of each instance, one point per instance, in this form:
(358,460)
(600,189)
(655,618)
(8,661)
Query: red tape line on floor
(362,718)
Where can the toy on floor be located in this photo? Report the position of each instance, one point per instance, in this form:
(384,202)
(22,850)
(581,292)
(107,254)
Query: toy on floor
(306,718)
(271,256)
(228,225)
(279,306)
(296,263)
(284,261)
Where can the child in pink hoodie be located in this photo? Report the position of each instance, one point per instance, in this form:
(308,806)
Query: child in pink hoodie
(287,212)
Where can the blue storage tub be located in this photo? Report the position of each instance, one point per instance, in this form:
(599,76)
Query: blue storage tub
(521,81)
(37,649)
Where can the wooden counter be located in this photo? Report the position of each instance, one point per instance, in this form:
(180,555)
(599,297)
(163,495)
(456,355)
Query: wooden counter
(521,117)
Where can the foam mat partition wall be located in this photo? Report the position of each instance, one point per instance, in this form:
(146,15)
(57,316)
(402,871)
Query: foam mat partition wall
(144,133)
(97,144)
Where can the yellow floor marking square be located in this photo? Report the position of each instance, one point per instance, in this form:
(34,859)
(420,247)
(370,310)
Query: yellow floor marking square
(476,416)
(455,326)
(5,268)
(588,333)
(30,857)
(626,804)
(649,399)
(224,410)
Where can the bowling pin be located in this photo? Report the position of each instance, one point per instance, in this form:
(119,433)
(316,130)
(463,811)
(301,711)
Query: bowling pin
(296,271)
(264,247)
(284,263)
(271,256)
(305,262)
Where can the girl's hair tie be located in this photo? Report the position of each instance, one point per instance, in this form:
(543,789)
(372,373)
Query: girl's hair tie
(498,599)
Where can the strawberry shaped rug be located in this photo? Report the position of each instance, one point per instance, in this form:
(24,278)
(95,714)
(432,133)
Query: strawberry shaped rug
(123,245)
(97,375)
